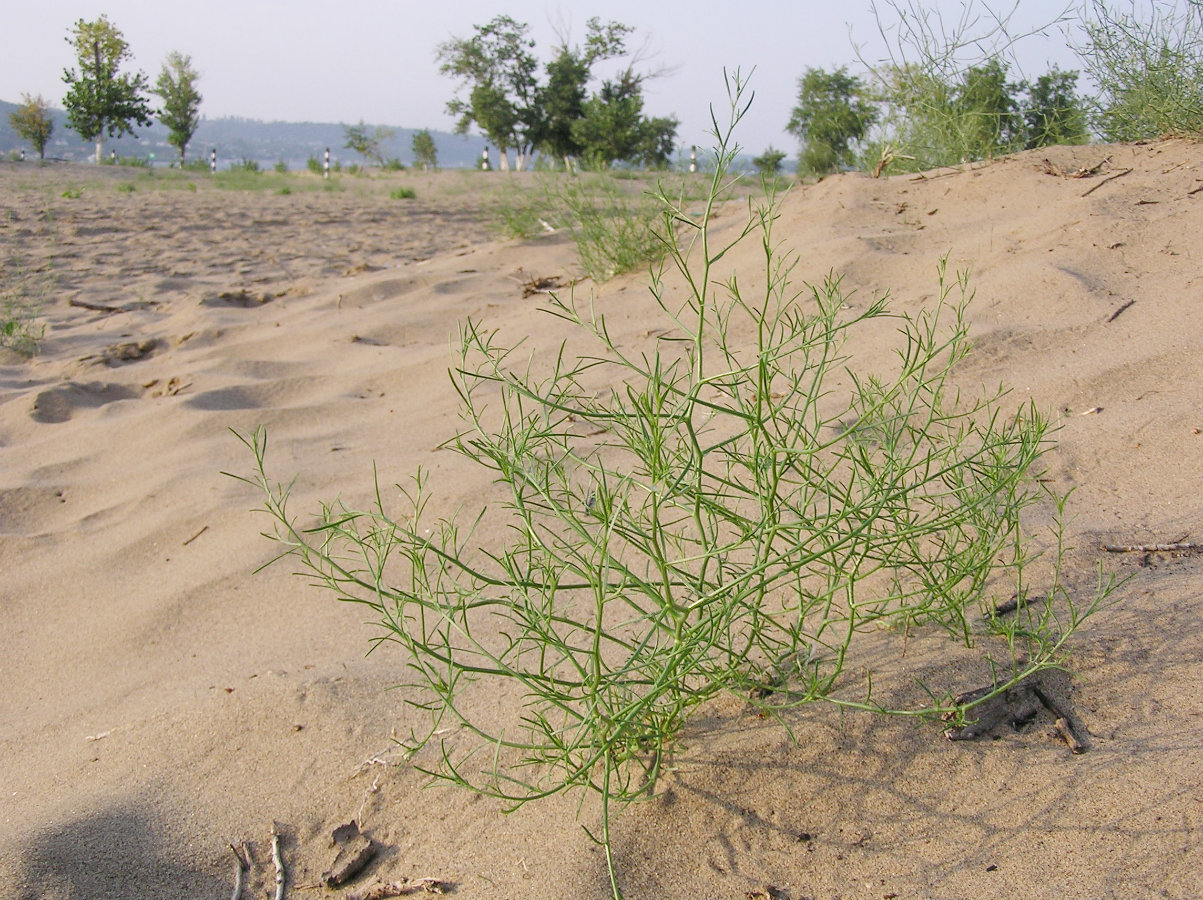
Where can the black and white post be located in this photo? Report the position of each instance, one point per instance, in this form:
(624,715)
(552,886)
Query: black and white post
(213,161)
(326,165)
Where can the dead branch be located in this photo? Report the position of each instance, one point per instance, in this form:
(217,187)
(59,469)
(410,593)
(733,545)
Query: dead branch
(1177,547)
(1105,180)
(195,536)
(244,866)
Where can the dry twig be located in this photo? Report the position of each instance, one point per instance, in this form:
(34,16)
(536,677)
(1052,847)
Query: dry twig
(1105,180)
(1115,315)
(244,866)
(1176,547)
(278,860)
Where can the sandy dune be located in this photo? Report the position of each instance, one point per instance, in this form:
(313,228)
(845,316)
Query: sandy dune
(161,701)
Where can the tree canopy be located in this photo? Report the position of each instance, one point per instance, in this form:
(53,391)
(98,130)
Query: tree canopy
(176,87)
(832,114)
(502,94)
(31,120)
(100,98)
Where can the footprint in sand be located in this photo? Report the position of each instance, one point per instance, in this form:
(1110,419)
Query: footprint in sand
(58,404)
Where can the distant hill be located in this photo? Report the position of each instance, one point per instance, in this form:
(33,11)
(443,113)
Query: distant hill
(236,139)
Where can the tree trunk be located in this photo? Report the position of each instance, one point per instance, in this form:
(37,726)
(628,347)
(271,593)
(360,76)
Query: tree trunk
(503,159)
(99,148)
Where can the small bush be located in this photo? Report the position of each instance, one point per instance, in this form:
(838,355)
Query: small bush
(732,512)
(314,165)
(286,190)
(245,165)
(613,229)
(403,193)
(200,164)
(73,193)
(21,296)
(127,187)
(393,165)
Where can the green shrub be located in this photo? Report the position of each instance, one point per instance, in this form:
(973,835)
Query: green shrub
(73,193)
(614,230)
(314,165)
(1149,70)
(731,511)
(245,165)
(403,193)
(127,187)
(393,165)
(200,164)
(21,296)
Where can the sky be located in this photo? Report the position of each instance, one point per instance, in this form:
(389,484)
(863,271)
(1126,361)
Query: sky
(373,60)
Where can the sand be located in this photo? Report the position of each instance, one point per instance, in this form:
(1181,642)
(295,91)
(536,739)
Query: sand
(161,701)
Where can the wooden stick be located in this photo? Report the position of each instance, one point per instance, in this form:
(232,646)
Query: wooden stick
(1105,180)
(1067,733)
(278,860)
(195,536)
(244,865)
(1178,547)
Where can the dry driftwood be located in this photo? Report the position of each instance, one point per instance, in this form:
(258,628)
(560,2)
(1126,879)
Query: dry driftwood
(1016,707)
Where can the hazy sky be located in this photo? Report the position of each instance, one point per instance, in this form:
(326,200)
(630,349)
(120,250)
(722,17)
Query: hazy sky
(343,61)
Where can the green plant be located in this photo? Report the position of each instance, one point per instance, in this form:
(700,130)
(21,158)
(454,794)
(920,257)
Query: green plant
(403,193)
(32,121)
(768,164)
(176,87)
(393,164)
(613,229)
(21,294)
(73,193)
(426,153)
(832,115)
(1149,69)
(245,165)
(99,100)
(519,213)
(281,167)
(727,511)
(284,191)
(126,187)
(314,165)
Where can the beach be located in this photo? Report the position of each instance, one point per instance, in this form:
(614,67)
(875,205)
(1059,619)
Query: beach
(163,699)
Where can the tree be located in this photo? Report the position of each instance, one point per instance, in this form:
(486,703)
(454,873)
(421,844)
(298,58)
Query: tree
(499,72)
(562,100)
(426,154)
(833,113)
(985,106)
(32,121)
(366,142)
(768,164)
(613,127)
(100,99)
(1054,114)
(181,100)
